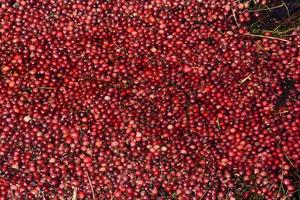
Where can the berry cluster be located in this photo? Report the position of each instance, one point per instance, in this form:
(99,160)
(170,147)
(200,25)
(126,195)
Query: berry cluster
(156,99)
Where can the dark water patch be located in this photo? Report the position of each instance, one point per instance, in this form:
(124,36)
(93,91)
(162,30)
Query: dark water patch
(287,85)
(280,15)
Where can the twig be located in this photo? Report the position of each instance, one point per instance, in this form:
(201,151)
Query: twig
(271,186)
(287,9)
(285,192)
(44,196)
(234,16)
(12,194)
(298,193)
(187,109)
(90,78)
(275,30)
(283,112)
(259,46)
(280,187)
(286,31)
(74,197)
(218,124)
(278,32)
(267,9)
(111,195)
(291,164)
(268,37)
(90,182)
(245,79)
(46,88)
(207,191)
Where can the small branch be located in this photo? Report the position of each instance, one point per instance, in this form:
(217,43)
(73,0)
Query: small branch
(280,32)
(287,9)
(90,182)
(268,37)
(280,186)
(207,191)
(187,109)
(218,124)
(234,16)
(43,196)
(245,79)
(267,9)
(259,46)
(292,165)
(281,113)
(286,31)
(12,194)
(46,88)
(111,195)
(271,186)
(89,78)
(74,197)
(276,29)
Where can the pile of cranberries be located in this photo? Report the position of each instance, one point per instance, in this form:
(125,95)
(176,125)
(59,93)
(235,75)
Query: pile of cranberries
(146,99)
